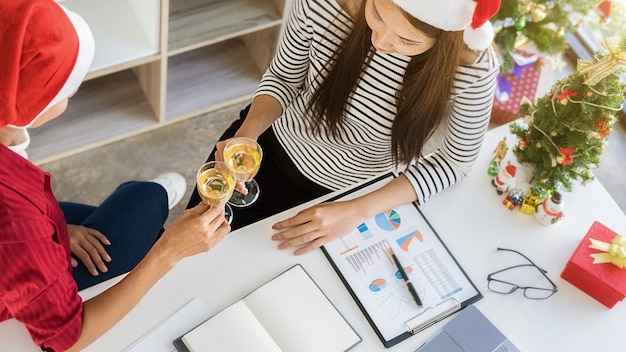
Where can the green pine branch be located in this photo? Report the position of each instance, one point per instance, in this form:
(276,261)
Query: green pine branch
(574,120)
(515,22)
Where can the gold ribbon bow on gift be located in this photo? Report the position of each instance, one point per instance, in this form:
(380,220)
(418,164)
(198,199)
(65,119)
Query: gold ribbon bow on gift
(614,252)
(605,66)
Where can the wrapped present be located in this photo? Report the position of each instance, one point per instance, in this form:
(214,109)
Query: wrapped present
(512,87)
(529,203)
(598,265)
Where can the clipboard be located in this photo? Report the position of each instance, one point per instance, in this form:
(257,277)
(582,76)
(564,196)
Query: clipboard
(361,260)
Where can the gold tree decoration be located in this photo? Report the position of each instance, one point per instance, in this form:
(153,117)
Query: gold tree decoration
(564,133)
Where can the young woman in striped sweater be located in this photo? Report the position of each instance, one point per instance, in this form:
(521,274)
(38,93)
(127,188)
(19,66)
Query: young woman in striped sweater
(359,88)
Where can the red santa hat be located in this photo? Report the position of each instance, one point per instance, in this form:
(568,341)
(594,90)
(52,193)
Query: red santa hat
(511,170)
(46,51)
(470,16)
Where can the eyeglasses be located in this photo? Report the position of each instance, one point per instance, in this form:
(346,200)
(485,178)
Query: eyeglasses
(505,287)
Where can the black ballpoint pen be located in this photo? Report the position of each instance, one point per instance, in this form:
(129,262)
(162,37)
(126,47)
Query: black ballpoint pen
(408,282)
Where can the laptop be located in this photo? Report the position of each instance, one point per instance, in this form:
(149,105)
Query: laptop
(469,331)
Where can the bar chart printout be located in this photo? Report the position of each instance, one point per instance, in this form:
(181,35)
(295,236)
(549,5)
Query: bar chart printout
(369,256)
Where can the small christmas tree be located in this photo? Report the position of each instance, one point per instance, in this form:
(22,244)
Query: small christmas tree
(543,22)
(564,133)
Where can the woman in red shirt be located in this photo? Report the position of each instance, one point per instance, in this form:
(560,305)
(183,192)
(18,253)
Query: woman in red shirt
(46,51)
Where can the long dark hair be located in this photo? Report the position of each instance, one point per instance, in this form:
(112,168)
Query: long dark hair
(421,102)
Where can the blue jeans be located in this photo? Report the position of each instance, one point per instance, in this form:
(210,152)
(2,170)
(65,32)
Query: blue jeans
(132,218)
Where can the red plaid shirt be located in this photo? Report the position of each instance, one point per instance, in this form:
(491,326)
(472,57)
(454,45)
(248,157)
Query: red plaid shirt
(36,285)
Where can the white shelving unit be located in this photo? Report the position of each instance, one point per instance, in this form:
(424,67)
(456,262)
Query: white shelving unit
(158,62)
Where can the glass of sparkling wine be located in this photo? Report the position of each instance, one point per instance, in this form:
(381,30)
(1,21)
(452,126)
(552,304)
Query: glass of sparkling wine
(244,156)
(216,182)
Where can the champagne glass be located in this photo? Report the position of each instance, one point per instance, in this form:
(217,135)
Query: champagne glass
(216,182)
(244,156)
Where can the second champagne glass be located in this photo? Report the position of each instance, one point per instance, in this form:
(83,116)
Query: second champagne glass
(216,182)
(244,156)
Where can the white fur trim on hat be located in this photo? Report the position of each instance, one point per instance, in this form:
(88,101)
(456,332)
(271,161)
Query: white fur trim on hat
(451,15)
(480,38)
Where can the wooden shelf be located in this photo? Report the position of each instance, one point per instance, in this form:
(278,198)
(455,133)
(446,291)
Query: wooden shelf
(210,77)
(103,110)
(123,30)
(158,62)
(197,23)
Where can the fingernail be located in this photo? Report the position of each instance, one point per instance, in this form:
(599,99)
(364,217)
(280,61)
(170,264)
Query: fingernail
(107,258)
(274,238)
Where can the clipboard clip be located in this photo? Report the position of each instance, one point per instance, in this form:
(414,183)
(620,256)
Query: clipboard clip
(432,315)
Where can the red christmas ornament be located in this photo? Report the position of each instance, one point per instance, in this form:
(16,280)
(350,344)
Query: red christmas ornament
(567,93)
(604,130)
(567,155)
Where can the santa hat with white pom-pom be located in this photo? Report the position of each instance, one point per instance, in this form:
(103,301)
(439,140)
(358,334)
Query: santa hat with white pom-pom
(470,16)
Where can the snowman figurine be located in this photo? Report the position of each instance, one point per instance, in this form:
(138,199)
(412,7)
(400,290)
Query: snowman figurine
(550,210)
(505,178)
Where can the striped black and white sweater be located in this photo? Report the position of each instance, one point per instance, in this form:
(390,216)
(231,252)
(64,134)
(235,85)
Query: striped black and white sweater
(363,148)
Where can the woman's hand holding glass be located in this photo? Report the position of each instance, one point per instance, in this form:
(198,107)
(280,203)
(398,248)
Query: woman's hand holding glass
(195,231)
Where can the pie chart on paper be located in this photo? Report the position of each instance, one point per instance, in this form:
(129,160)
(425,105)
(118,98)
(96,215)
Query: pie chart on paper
(389,220)
(405,241)
(377,285)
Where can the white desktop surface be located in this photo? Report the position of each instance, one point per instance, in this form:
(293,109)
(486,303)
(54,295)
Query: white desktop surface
(472,222)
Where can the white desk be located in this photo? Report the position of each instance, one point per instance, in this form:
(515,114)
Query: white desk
(472,222)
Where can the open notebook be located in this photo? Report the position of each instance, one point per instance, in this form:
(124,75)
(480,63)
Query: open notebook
(288,313)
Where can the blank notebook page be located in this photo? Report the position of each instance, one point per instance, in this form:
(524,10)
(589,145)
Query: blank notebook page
(299,316)
(235,329)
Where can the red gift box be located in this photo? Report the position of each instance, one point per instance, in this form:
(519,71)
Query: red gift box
(523,83)
(603,281)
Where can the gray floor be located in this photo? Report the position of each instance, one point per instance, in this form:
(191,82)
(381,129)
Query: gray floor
(89,177)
